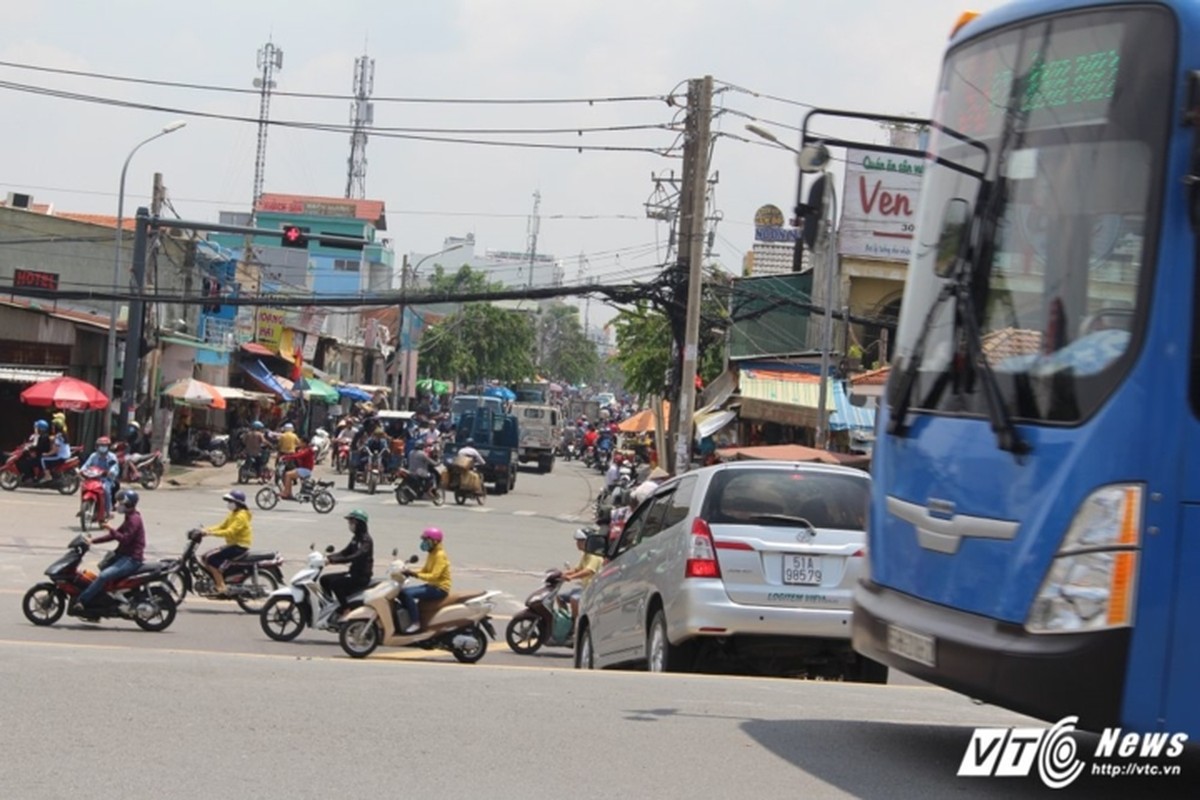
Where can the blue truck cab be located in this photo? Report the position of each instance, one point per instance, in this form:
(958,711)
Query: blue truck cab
(497,437)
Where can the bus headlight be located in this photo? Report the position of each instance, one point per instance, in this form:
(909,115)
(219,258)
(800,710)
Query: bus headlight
(1090,583)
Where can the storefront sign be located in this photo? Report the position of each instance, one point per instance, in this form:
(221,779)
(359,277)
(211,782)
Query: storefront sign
(270,326)
(308,207)
(879,208)
(768,226)
(31,279)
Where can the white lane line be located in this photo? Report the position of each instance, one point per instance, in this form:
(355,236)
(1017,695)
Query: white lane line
(525,513)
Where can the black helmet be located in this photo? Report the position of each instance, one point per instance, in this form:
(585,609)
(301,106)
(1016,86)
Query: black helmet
(129,498)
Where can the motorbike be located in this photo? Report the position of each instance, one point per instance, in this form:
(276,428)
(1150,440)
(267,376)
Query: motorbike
(322,444)
(251,469)
(144,468)
(140,597)
(545,621)
(459,623)
(218,449)
(341,456)
(466,483)
(305,490)
(371,471)
(303,603)
(249,579)
(64,476)
(93,498)
(190,449)
(412,488)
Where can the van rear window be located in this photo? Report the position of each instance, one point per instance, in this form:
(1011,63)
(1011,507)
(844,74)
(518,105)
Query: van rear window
(533,413)
(776,497)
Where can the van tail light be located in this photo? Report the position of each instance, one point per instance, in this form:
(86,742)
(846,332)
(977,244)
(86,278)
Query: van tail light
(702,553)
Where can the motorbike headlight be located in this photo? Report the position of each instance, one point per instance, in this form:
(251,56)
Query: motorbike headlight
(1091,581)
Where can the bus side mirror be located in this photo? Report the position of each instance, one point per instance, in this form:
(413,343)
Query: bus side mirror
(955,221)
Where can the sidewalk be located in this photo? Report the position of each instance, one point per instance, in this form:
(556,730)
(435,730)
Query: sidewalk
(198,475)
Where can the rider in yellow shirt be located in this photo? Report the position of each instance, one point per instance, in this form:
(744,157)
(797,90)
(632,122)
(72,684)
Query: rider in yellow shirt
(436,577)
(236,531)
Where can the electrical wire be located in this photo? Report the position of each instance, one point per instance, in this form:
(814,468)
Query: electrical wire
(591,101)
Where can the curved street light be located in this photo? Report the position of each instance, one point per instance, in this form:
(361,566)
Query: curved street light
(110,364)
(404,270)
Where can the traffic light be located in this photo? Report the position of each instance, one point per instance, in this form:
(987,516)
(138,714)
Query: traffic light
(295,236)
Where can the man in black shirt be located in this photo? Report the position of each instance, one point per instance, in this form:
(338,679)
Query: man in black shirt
(359,554)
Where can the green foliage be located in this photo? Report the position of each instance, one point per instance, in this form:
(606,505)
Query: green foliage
(564,352)
(480,342)
(462,281)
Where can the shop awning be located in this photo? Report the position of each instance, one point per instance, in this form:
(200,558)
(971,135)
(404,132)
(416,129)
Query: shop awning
(773,389)
(319,390)
(710,422)
(791,452)
(264,377)
(254,348)
(234,393)
(353,393)
(25,375)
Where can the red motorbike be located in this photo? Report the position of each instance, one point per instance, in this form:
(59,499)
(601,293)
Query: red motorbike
(141,597)
(341,456)
(93,499)
(64,476)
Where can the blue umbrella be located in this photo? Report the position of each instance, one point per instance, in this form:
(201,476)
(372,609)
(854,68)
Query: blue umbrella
(354,393)
(501,392)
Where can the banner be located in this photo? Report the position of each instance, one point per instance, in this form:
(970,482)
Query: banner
(879,205)
(269,326)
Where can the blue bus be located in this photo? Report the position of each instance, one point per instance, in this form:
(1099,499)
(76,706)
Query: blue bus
(1034,530)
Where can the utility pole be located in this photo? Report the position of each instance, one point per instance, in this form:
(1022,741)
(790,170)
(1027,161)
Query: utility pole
(828,216)
(695,178)
(401,355)
(133,335)
(535,222)
(158,196)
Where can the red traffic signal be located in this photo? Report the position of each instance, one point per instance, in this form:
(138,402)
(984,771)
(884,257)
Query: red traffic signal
(294,236)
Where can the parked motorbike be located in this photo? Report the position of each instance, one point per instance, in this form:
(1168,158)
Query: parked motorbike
(460,623)
(189,450)
(412,488)
(306,490)
(545,621)
(64,476)
(144,468)
(218,449)
(249,579)
(93,498)
(140,597)
(303,603)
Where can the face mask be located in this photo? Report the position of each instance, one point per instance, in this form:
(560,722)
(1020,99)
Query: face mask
(426,545)
(232,506)
(101,450)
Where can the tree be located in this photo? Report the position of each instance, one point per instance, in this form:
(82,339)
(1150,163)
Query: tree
(480,342)
(462,281)
(564,351)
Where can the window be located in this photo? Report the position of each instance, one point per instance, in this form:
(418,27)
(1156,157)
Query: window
(346,264)
(681,502)
(553,418)
(768,497)
(533,413)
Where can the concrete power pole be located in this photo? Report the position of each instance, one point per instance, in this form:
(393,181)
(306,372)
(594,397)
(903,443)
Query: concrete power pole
(535,223)
(362,116)
(694,194)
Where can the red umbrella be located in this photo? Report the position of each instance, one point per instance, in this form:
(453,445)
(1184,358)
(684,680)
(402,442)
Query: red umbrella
(70,394)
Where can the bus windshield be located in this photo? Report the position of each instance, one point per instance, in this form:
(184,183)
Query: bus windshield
(1074,113)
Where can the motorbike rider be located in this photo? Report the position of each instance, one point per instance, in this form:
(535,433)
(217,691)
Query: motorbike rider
(253,443)
(131,547)
(300,466)
(588,567)
(103,458)
(359,554)
(613,474)
(420,466)
(435,574)
(60,448)
(39,445)
(468,450)
(236,531)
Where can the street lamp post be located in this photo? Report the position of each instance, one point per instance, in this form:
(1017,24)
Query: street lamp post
(401,357)
(110,364)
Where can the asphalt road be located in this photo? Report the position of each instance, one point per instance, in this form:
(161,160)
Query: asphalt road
(212,707)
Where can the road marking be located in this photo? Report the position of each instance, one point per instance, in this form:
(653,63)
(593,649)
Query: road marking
(525,513)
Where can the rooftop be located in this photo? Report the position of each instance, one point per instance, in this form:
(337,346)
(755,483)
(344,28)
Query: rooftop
(371,211)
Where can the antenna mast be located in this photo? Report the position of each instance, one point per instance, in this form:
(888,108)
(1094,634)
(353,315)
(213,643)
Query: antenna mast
(362,116)
(270,58)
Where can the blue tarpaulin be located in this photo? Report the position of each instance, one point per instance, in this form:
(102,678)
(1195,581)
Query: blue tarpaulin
(353,393)
(263,377)
(500,391)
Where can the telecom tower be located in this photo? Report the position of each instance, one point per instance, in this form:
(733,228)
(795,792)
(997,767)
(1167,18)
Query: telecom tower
(535,222)
(270,58)
(362,116)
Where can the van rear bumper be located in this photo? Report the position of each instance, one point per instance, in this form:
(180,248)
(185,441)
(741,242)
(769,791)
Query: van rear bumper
(1049,676)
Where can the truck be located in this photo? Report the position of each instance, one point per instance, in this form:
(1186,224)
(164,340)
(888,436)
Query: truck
(497,437)
(541,430)
(469,402)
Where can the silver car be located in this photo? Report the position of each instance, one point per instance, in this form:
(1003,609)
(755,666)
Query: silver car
(753,559)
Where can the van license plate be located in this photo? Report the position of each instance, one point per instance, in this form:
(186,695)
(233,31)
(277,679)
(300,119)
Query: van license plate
(801,570)
(914,646)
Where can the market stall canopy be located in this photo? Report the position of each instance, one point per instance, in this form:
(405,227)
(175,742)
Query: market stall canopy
(431,385)
(791,452)
(192,392)
(643,421)
(69,394)
(234,393)
(263,377)
(316,389)
(353,393)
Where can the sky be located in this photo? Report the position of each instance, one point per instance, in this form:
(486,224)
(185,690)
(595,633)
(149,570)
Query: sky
(876,55)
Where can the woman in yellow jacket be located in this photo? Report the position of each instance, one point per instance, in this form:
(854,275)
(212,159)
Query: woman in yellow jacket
(235,530)
(436,577)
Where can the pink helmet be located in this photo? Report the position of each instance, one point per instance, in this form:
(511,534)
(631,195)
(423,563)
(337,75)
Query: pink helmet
(433,534)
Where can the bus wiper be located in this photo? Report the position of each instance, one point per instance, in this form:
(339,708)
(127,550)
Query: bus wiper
(1007,436)
(908,378)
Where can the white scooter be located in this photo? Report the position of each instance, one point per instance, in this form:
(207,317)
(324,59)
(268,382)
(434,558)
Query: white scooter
(460,623)
(303,603)
(321,444)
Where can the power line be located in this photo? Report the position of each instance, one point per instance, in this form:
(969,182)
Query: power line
(326,96)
